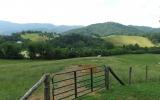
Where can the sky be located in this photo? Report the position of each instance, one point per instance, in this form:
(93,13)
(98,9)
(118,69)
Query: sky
(81,12)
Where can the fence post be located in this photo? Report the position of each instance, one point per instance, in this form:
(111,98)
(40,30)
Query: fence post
(106,70)
(75,83)
(47,87)
(146,72)
(130,75)
(91,74)
(53,87)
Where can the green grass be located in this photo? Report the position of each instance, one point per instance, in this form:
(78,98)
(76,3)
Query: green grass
(120,40)
(17,76)
(142,91)
(34,37)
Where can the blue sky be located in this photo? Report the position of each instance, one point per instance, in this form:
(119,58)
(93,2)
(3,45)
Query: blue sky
(81,12)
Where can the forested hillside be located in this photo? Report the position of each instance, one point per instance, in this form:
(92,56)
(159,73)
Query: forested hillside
(43,45)
(109,28)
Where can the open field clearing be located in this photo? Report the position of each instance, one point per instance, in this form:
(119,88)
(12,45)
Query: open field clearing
(34,37)
(17,76)
(120,40)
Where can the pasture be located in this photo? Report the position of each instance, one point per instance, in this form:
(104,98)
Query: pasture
(34,37)
(17,76)
(120,40)
(141,91)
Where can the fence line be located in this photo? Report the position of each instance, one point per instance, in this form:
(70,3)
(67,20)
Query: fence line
(130,74)
(73,91)
(43,79)
(78,81)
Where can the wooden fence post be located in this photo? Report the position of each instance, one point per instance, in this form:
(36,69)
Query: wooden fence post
(106,71)
(75,83)
(130,75)
(146,72)
(52,87)
(47,87)
(91,73)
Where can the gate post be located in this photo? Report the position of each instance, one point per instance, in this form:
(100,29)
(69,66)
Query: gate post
(52,87)
(91,74)
(75,83)
(106,71)
(47,87)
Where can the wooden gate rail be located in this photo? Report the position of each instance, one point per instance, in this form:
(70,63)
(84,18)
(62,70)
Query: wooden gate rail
(44,79)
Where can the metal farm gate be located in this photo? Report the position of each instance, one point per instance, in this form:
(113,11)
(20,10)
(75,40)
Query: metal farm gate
(73,84)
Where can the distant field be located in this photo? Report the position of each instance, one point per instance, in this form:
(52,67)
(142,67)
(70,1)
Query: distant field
(117,40)
(17,76)
(34,37)
(120,40)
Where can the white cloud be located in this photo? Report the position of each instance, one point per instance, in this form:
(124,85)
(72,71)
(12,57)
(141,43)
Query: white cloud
(84,12)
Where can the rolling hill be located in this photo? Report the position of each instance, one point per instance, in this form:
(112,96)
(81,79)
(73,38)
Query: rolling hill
(146,29)
(109,28)
(120,40)
(6,28)
(102,29)
(117,40)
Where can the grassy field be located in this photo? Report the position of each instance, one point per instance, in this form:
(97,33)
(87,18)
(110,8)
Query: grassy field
(34,37)
(120,40)
(142,91)
(17,76)
(117,40)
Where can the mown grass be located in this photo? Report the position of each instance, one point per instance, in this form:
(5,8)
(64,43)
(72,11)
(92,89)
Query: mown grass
(34,37)
(120,40)
(17,76)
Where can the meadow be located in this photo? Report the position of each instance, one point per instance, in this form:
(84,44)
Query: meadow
(120,40)
(34,37)
(141,91)
(17,76)
(117,40)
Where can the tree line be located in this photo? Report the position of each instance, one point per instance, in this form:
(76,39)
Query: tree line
(64,46)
